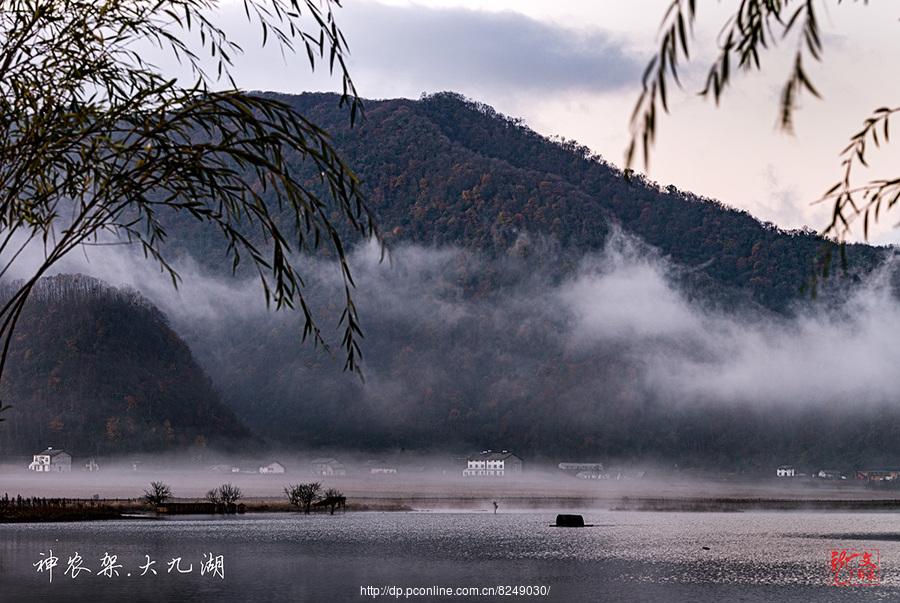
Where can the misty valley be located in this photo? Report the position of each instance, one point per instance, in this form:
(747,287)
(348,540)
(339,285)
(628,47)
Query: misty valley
(543,335)
(529,298)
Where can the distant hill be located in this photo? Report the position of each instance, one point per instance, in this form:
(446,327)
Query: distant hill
(97,370)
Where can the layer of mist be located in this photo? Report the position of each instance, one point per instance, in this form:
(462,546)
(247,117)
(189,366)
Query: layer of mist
(608,355)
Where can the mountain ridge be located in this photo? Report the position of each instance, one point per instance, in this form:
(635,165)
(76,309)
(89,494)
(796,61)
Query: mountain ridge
(728,244)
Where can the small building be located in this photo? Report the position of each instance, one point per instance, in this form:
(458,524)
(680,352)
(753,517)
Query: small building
(878,475)
(327,467)
(91,465)
(592,475)
(785,471)
(585,470)
(829,474)
(273,467)
(492,464)
(383,471)
(244,469)
(51,461)
(576,467)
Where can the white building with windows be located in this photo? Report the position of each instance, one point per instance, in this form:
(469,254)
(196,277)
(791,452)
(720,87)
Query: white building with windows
(785,471)
(51,461)
(492,464)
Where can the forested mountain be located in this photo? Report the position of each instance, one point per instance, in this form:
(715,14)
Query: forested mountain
(538,300)
(97,370)
(445,170)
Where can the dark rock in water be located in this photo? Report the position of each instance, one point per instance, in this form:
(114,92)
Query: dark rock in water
(569,521)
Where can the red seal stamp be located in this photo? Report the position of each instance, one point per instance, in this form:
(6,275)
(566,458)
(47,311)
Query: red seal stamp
(850,567)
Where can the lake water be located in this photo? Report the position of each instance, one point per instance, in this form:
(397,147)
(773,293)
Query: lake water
(627,556)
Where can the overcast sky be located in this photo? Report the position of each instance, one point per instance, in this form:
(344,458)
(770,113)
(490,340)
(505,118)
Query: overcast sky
(572,68)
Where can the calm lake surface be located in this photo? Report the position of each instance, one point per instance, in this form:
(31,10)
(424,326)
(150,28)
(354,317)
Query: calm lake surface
(627,556)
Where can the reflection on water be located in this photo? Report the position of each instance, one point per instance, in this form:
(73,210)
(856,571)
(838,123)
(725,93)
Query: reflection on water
(630,557)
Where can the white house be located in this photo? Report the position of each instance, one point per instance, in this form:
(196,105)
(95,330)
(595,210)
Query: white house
(326,467)
(273,467)
(91,465)
(51,461)
(785,471)
(492,464)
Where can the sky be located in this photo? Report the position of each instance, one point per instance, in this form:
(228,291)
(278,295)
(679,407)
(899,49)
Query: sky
(572,68)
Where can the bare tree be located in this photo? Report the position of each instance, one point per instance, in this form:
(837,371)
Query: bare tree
(333,499)
(303,496)
(213,496)
(158,494)
(98,145)
(229,494)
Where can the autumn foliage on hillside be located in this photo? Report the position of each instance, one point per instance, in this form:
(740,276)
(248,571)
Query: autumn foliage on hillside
(449,170)
(95,369)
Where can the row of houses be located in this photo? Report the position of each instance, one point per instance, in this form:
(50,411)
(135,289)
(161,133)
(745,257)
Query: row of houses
(596,471)
(486,463)
(274,467)
(867,475)
(57,460)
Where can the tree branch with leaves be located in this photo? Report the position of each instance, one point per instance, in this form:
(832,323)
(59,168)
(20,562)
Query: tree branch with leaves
(97,144)
(757,26)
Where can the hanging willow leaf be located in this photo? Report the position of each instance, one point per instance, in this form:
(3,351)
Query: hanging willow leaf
(96,142)
(756,26)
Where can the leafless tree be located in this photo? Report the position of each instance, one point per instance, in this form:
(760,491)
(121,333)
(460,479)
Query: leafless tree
(303,496)
(213,496)
(333,499)
(158,494)
(229,494)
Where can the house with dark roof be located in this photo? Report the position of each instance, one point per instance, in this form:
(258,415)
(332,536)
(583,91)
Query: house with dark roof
(51,461)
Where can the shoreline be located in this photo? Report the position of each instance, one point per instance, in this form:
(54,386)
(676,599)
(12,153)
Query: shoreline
(75,510)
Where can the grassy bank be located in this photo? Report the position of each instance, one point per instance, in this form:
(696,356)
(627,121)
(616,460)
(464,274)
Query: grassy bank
(29,510)
(51,510)
(22,510)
